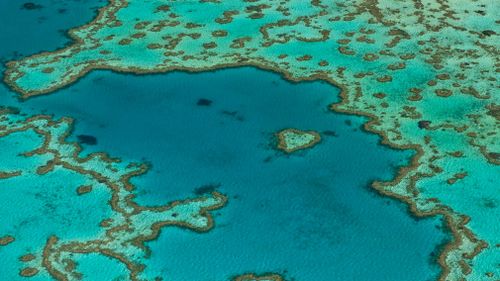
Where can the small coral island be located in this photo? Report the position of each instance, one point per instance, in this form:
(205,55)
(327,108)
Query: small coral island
(291,140)
(253,277)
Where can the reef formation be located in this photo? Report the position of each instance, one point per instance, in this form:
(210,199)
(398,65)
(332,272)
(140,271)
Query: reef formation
(253,277)
(425,73)
(124,226)
(291,140)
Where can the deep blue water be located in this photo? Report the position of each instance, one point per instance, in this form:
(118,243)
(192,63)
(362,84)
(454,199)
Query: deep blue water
(26,31)
(310,215)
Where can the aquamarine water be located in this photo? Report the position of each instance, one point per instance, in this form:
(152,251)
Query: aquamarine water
(310,216)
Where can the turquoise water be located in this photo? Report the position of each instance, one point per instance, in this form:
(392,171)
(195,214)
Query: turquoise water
(309,216)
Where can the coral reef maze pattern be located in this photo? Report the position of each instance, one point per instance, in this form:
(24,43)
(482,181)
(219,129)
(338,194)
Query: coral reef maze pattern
(424,73)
